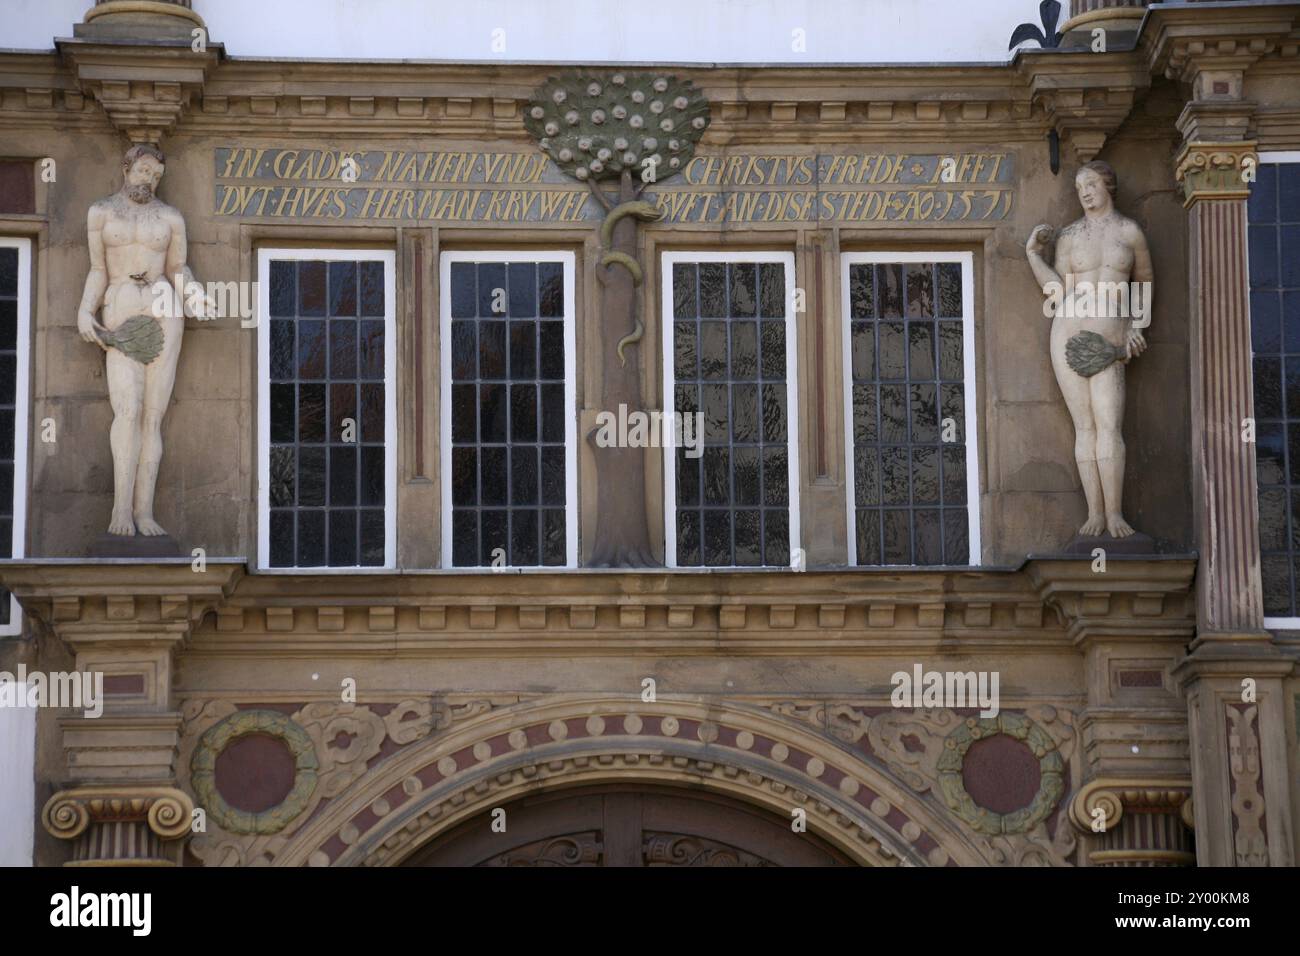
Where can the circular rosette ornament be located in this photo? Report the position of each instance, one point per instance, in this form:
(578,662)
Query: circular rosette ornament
(596,125)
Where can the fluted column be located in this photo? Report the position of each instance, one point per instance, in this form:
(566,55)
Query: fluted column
(1234,677)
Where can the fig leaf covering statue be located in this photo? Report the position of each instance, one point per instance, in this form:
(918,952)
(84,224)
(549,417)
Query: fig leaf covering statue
(1100,300)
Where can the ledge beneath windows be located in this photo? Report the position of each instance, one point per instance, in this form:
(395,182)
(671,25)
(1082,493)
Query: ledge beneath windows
(1050,604)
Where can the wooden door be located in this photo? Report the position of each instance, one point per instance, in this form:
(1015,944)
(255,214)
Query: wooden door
(628,826)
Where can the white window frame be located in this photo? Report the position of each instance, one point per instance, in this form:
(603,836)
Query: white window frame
(969,391)
(1279,157)
(571,509)
(668,260)
(265,256)
(22,415)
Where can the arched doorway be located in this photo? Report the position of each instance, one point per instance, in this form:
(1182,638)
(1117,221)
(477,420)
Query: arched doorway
(628,825)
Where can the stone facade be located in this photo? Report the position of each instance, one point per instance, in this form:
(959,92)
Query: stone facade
(1120,688)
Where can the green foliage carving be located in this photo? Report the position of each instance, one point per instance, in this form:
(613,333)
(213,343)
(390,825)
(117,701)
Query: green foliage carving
(139,337)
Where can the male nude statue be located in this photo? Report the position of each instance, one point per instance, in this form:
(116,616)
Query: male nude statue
(1102,247)
(136,240)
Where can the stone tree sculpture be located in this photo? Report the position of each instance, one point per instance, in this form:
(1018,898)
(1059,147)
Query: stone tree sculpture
(629,130)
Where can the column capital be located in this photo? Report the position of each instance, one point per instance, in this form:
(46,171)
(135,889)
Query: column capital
(1216,170)
(1138,821)
(120,826)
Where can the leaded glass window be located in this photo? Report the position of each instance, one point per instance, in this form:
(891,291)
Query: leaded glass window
(508,410)
(909,410)
(1274,256)
(14,303)
(729,341)
(328,468)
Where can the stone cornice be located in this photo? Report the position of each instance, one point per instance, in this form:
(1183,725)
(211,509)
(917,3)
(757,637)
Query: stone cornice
(1047,604)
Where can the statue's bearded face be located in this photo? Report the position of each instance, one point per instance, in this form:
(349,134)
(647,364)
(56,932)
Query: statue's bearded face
(142,179)
(1092,190)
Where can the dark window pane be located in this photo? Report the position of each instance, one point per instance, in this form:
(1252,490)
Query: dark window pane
(284,292)
(492,413)
(1266,322)
(684,291)
(343,413)
(744,290)
(772,290)
(372,537)
(951,368)
(895,470)
(464,476)
(283,413)
(868,536)
(713,350)
(745,477)
(554,477)
(463,291)
(524,549)
(949,290)
(893,358)
(866,414)
(492,474)
(523,475)
(898,536)
(1272,519)
(492,301)
(523,413)
(713,290)
(862,299)
(554,544)
(463,414)
(552,347)
(863,352)
(311,539)
(889,291)
(311,291)
(553,413)
(550,279)
(342,476)
(311,413)
(1275,571)
(685,351)
(920,291)
(343,291)
(311,476)
(464,349)
(283,475)
(776,476)
(491,350)
(744,412)
(929,537)
(373,462)
(688,479)
(282,539)
(776,537)
(371,351)
(954,474)
(282,349)
(749,550)
(343,348)
(773,336)
(372,413)
(717,413)
(866,475)
(920,340)
(494,543)
(717,476)
(688,539)
(924,415)
(523,290)
(956,537)
(464,538)
(523,350)
(744,350)
(717,538)
(774,418)
(343,538)
(311,350)
(372,288)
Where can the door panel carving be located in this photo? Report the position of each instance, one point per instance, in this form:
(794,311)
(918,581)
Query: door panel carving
(624,826)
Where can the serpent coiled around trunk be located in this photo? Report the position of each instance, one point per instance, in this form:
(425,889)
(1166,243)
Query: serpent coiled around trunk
(646,212)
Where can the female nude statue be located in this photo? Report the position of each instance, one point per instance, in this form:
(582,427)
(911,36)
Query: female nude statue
(1093,255)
